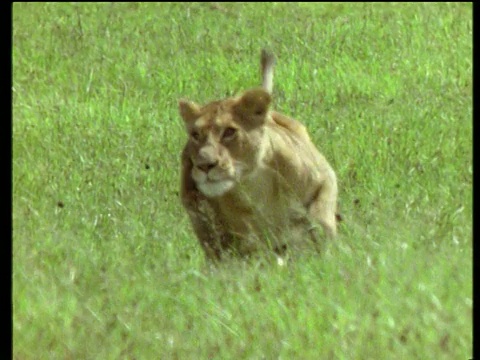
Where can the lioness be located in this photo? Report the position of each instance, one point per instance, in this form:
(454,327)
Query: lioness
(251,177)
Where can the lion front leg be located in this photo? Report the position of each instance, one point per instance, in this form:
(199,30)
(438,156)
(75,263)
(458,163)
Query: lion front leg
(207,234)
(203,215)
(206,224)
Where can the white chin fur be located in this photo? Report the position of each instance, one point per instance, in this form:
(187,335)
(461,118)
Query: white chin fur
(217,188)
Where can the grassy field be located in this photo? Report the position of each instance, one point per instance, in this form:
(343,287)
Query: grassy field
(105,264)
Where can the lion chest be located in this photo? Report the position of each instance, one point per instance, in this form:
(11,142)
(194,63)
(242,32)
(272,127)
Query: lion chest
(258,207)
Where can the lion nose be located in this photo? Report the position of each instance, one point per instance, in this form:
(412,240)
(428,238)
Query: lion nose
(207,166)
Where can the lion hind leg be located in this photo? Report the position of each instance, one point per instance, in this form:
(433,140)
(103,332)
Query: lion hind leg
(323,207)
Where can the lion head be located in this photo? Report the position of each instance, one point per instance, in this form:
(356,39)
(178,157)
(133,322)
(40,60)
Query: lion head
(224,139)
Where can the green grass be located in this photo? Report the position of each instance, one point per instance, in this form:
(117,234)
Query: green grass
(105,264)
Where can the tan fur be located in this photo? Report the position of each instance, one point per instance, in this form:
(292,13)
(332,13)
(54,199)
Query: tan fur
(251,177)
(267,62)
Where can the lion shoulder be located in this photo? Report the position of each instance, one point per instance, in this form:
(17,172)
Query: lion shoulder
(291,125)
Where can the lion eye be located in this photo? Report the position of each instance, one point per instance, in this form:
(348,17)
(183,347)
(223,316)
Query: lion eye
(229,133)
(195,135)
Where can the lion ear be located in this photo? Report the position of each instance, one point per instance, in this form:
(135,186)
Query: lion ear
(253,106)
(188,110)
